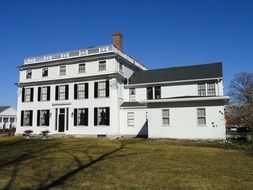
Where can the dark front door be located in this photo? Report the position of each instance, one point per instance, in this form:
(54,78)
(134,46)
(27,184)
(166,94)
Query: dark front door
(62,120)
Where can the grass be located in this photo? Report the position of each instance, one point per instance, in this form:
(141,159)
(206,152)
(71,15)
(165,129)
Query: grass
(81,163)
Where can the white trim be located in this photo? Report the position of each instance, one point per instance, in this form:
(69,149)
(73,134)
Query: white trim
(169,82)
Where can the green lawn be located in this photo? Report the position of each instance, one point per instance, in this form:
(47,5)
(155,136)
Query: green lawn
(81,163)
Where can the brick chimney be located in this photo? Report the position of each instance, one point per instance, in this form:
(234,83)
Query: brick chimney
(117,40)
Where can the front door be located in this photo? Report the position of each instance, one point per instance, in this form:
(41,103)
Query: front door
(61,120)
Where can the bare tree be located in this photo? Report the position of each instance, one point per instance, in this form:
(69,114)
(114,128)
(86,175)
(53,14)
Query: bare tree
(240,111)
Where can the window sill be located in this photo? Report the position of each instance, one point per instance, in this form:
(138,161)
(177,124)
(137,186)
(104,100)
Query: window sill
(164,125)
(201,125)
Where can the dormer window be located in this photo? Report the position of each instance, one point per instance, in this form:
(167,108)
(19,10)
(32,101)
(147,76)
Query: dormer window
(82,68)
(44,72)
(206,89)
(154,92)
(29,74)
(102,65)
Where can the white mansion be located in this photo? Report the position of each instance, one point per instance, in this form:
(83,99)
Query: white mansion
(102,91)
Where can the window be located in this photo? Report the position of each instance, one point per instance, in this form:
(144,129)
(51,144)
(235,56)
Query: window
(102,116)
(201,114)
(44,93)
(62,70)
(130,118)
(132,94)
(62,92)
(26,118)
(12,120)
(211,89)
(149,93)
(102,65)
(166,116)
(43,117)
(157,92)
(120,67)
(6,120)
(29,74)
(81,117)
(0,119)
(44,72)
(81,91)
(82,68)
(27,94)
(202,89)
(101,89)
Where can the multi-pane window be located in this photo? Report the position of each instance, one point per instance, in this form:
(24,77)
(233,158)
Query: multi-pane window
(62,91)
(12,120)
(44,93)
(82,68)
(166,116)
(102,65)
(102,116)
(149,93)
(62,70)
(132,94)
(81,91)
(157,92)
(201,116)
(26,118)
(81,117)
(102,89)
(29,74)
(0,119)
(43,117)
(44,72)
(130,118)
(202,89)
(211,89)
(28,94)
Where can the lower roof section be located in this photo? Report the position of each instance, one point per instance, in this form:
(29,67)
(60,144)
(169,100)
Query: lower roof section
(182,100)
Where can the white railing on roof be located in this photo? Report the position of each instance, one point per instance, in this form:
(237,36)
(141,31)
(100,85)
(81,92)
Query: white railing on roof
(83,53)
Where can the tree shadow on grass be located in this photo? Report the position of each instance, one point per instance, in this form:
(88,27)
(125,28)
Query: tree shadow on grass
(62,179)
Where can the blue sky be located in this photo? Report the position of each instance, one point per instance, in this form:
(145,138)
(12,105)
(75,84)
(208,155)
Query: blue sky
(158,33)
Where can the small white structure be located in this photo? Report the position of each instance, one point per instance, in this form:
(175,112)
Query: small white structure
(8,117)
(104,91)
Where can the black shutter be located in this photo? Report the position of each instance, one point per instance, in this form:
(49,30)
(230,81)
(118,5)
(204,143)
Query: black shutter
(95,116)
(31,118)
(22,118)
(47,118)
(75,117)
(86,90)
(23,94)
(39,93)
(56,92)
(107,88)
(66,92)
(31,97)
(48,93)
(38,117)
(95,89)
(107,116)
(75,91)
(86,116)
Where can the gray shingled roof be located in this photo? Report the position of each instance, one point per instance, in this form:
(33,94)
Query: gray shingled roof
(3,108)
(213,70)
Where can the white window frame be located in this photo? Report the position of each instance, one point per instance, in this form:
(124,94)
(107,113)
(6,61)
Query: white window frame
(198,116)
(211,89)
(167,117)
(132,96)
(28,94)
(28,74)
(130,119)
(81,92)
(62,93)
(43,93)
(82,68)
(121,67)
(99,110)
(102,89)
(43,119)
(27,118)
(79,114)
(62,70)
(43,70)
(102,65)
